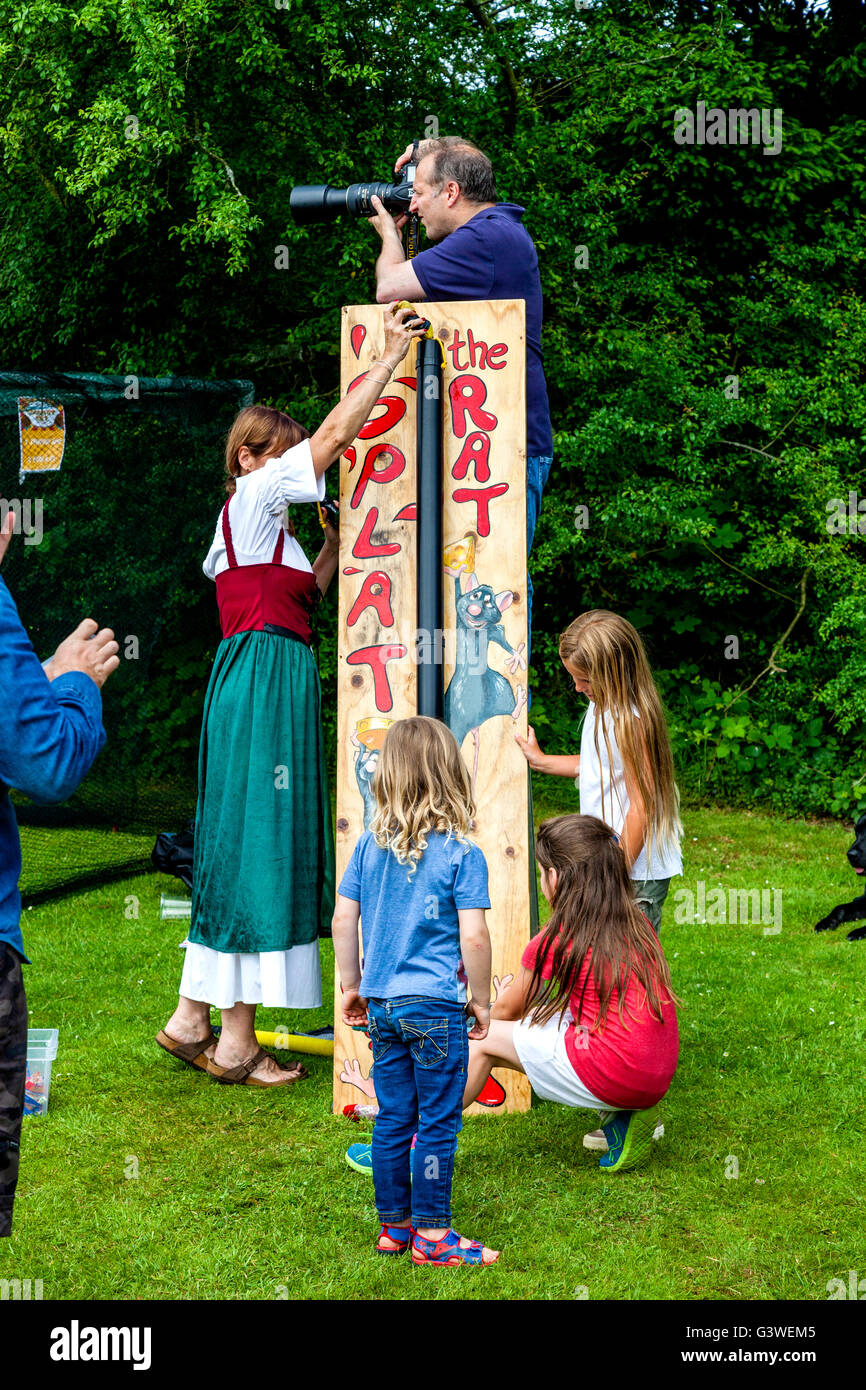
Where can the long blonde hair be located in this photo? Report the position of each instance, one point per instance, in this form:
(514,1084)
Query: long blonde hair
(608,651)
(421,785)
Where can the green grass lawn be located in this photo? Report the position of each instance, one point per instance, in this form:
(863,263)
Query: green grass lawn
(147,1180)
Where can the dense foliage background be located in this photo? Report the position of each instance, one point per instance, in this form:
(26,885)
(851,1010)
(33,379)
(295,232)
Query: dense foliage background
(704,353)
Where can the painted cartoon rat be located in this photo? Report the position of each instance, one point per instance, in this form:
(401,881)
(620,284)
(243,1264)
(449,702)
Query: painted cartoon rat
(475,692)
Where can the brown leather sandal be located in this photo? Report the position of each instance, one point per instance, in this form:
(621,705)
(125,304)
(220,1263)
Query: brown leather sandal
(241,1075)
(191,1053)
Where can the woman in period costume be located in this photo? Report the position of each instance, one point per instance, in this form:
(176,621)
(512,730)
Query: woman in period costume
(263,872)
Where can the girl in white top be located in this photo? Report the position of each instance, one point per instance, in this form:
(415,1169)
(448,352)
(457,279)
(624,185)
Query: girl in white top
(625,770)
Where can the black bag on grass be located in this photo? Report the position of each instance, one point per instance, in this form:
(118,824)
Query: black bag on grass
(172,854)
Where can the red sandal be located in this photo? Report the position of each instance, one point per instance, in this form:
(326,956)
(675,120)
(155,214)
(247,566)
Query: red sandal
(447,1252)
(400,1235)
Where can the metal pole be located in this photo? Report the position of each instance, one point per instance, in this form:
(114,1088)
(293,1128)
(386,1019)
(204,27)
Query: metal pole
(428,445)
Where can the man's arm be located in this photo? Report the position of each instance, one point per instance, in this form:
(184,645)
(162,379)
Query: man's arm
(51,732)
(395,278)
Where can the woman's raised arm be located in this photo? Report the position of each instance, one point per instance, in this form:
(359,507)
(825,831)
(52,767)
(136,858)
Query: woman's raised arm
(340,428)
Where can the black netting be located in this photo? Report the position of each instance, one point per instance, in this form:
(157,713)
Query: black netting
(125,526)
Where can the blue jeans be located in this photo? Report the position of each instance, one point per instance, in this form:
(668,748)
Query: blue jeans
(420,1055)
(537,472)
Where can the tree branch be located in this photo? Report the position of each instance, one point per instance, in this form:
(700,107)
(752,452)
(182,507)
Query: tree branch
(511,83)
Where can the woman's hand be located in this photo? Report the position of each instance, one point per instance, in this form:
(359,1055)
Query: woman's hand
(397,335)
(530,750)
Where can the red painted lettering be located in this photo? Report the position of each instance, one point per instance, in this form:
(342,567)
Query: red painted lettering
(482,350)
(377,659)
(476,451)
(498,350)
(467,395)
(482,497)
(365,548)
(454,349)
(395,409)
(375,593)
(369,472)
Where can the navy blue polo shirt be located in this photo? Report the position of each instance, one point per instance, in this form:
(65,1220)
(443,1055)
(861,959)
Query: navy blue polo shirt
(492,256)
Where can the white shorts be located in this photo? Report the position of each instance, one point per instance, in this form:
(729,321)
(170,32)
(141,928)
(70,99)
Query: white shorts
(541,1049)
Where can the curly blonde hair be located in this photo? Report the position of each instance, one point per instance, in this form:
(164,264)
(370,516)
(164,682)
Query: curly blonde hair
(421,786)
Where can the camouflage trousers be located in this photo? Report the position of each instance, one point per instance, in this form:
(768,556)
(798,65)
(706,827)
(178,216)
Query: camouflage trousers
(13,1072)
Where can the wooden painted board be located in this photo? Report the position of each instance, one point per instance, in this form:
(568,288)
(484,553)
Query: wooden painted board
(484,578)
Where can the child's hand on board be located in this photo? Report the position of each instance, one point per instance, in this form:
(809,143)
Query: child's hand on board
(481,1013)
(530,750)
(354,1009)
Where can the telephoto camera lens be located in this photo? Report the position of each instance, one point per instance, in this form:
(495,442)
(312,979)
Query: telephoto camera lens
(319,202)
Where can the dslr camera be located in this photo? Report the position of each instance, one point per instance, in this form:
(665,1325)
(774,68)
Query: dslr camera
(320,202)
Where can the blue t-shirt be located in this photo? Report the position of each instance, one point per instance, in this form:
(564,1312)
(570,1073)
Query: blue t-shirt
(492,256)
(410,926)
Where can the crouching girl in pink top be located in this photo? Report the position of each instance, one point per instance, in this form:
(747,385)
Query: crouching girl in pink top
(591,1017)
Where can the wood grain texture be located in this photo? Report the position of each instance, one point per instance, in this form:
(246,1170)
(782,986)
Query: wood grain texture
(484,474)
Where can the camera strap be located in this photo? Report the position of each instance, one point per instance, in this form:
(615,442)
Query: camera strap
(413,226)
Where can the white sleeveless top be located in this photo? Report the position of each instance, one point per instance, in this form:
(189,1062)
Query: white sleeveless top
(603,794)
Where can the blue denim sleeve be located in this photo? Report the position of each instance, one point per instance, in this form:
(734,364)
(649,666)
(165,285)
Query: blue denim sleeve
(51,731)
(460,267)
(470,878)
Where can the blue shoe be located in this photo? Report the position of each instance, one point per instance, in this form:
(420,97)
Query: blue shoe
(629,1135)
(360,1157)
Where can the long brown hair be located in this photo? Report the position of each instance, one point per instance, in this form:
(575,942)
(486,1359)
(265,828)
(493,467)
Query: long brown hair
(266,432)
(608,651)
(421,785)
(593,908)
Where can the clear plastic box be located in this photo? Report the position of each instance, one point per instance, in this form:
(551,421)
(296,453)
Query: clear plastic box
(41,1052)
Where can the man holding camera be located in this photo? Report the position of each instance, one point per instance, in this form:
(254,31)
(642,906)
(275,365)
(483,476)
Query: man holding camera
(483,252)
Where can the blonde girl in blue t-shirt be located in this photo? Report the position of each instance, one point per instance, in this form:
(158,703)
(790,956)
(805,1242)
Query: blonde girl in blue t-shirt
(419,886)
(625,770)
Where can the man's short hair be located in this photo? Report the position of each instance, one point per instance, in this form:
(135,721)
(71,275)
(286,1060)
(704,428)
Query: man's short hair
(460,160)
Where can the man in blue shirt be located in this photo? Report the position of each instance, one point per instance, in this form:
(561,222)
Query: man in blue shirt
(483,252)
(50,733)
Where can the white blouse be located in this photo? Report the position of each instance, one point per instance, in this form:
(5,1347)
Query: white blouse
(603,794)
(258,511)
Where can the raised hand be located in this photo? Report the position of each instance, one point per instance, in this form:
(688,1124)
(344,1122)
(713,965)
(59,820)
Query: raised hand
(89,649)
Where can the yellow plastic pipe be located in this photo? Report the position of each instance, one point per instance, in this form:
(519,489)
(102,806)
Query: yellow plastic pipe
(297,1042)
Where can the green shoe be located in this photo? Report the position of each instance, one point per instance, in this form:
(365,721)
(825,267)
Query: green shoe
(629,1136)
(360,1157)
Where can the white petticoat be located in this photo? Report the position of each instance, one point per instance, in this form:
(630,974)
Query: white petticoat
(276,979)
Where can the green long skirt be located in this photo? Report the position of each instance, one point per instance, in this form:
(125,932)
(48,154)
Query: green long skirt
(263,866)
